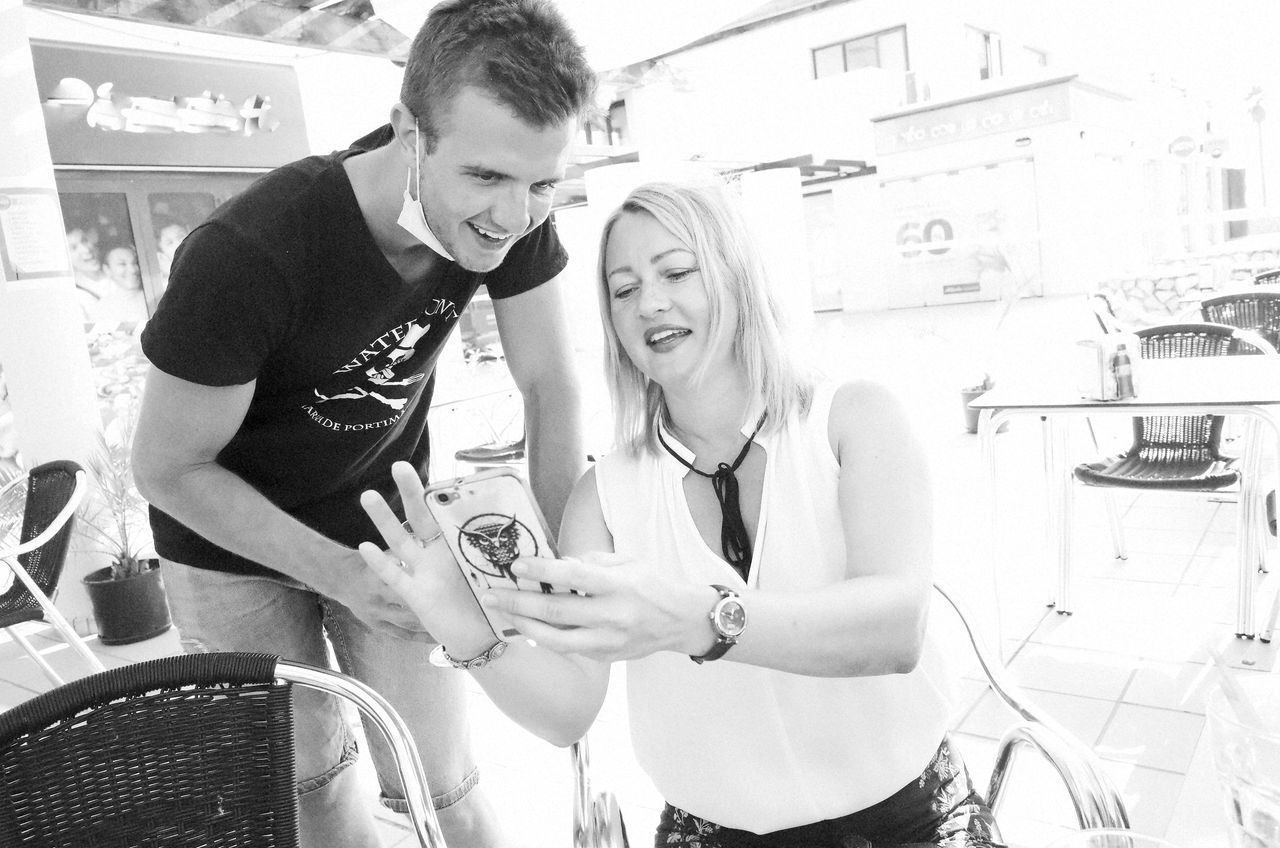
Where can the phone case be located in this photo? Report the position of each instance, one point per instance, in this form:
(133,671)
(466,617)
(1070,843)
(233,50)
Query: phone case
(488,519)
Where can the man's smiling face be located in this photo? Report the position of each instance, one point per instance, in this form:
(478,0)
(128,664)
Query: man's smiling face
(491,178)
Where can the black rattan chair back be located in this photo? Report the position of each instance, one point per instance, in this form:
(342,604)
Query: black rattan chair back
(189,750)
(48,488)
(1266,278)
(1182,441)
(1258,311)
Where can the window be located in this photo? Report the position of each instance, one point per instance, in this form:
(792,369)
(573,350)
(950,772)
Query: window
(122,228)
(1233,197)
(146,213)
(104,257)
(986,51)
(887,49)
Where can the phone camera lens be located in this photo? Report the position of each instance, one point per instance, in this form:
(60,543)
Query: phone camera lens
(442,497)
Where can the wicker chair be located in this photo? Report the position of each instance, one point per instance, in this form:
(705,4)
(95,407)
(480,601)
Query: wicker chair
(1258,311)
(188,750)
(1182,453)
(1267,278)
(40,507)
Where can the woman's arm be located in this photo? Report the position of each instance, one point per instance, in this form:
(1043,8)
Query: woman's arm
(553,696)
(872,623)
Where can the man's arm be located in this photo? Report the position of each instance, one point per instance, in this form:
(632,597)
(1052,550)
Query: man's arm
(534,330)
(181,429)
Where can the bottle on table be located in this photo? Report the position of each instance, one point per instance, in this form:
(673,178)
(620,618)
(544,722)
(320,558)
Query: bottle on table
(1122,367)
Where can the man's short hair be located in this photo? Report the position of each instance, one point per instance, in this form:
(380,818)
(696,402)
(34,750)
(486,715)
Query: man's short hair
(520,52)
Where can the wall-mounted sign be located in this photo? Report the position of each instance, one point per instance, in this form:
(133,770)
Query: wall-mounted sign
(31,245)
(1182,146)
(116,107)
(114,112)
(1013,111)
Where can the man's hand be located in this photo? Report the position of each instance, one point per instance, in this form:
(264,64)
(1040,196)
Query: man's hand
(370,599)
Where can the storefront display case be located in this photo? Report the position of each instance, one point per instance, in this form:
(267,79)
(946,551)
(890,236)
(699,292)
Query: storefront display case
(145,145)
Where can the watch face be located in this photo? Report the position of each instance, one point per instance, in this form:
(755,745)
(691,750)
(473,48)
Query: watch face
(731,618)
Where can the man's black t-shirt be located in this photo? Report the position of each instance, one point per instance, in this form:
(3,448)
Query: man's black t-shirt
(285,285)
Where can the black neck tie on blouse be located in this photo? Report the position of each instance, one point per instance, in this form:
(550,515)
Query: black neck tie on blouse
(734,542)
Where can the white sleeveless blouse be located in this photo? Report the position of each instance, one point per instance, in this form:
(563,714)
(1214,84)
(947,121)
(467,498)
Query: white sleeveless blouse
(749,747)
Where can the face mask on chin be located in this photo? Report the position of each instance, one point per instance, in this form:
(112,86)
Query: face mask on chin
(412,218)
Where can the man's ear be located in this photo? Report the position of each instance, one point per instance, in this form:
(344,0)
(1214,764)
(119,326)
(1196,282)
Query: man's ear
(405,128)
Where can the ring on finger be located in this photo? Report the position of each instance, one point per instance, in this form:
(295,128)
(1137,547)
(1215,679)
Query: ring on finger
(422,543)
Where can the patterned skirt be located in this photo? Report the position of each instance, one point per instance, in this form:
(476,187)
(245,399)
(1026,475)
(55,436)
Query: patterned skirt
(939,808)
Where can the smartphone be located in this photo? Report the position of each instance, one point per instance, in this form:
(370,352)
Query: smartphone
(488,519)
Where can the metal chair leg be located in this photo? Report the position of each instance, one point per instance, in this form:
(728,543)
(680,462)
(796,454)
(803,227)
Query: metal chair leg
(1264,635)
(1113,511)
(1113,521)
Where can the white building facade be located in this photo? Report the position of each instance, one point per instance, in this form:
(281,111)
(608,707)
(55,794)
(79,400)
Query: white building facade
(966,159)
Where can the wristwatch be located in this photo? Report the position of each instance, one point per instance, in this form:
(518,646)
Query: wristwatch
(728,619)
(440,658)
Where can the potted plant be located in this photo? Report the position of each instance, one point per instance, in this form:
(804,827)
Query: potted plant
(127,595)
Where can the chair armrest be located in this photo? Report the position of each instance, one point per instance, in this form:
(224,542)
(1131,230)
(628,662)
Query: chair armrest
(376,708)
(597,819)
(1095,798)
(55,526)
(9,556)
(1256,340)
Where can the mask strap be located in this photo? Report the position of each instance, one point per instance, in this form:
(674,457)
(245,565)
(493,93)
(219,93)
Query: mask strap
(417,158)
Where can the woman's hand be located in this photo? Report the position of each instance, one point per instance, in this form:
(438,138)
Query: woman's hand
(621,610)
(419,568)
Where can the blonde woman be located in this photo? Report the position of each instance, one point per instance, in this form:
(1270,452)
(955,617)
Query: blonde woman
(757,549)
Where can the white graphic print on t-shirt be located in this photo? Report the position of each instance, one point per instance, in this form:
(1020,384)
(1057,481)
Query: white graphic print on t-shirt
(380,361)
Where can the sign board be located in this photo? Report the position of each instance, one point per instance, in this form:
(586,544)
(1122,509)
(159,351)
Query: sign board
(1182,146)
(31,245)
(141,108)
(962,236)
(1013,111)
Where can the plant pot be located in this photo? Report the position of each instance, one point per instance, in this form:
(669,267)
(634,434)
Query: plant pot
(129,609)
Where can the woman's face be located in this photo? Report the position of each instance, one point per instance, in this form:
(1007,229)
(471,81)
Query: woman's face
(657,299)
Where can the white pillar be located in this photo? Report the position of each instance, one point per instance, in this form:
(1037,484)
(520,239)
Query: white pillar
(42,344)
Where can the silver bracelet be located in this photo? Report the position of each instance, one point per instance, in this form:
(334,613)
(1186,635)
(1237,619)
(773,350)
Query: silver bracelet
(440,658)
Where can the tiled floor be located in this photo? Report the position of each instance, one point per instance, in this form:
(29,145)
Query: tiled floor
(1126,672)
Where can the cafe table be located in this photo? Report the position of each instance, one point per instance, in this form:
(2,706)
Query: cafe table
(1247,386)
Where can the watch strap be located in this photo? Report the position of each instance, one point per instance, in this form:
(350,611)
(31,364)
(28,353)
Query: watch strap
(723,643)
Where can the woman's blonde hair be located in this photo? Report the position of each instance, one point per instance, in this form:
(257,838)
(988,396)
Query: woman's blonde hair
(705,218)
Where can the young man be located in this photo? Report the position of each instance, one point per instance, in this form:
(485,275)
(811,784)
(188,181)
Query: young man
(294,355)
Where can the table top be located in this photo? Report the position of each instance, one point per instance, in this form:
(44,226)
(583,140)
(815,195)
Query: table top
(1226,381)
